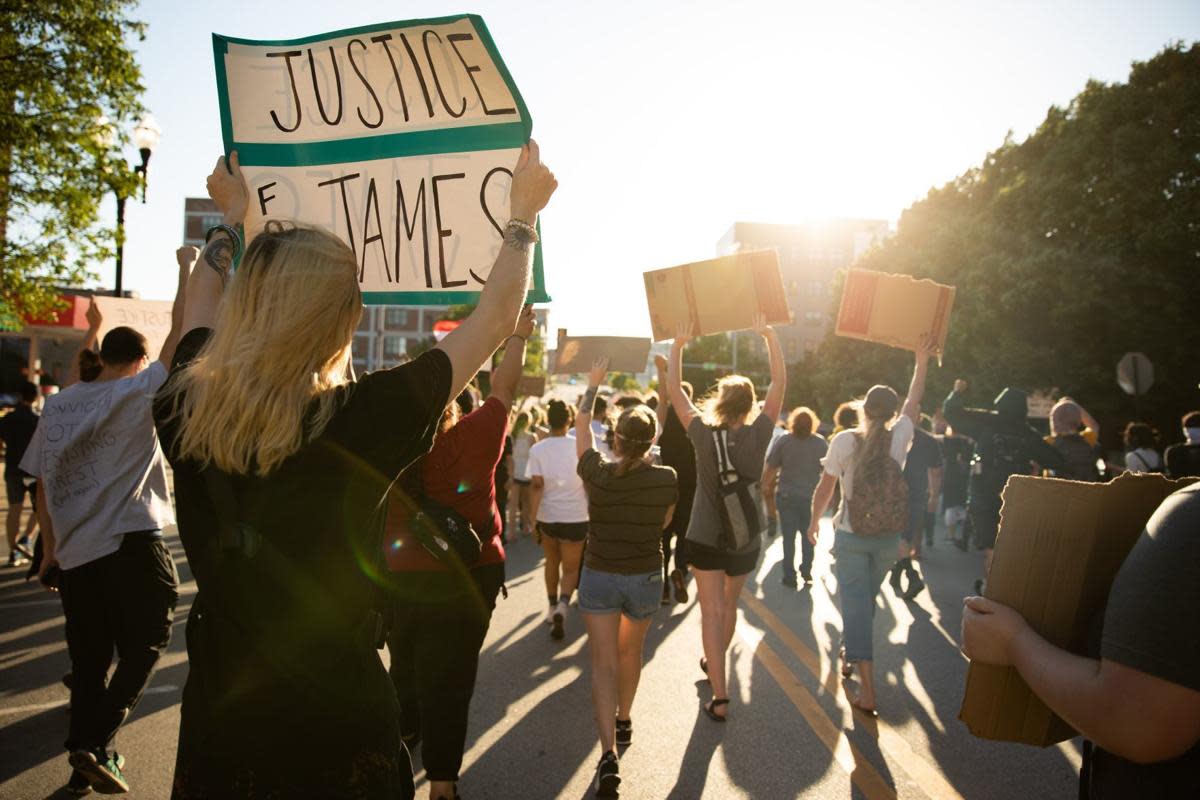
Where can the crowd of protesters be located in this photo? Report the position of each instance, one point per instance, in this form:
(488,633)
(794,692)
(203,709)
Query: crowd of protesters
(324,517)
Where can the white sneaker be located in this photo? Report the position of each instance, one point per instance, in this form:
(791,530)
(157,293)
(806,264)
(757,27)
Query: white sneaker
(550,614)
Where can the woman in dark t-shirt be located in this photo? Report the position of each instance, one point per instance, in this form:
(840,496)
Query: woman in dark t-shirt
(720,563)
(629,504)
(279,460)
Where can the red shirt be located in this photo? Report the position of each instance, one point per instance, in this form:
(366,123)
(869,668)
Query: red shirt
(459,473)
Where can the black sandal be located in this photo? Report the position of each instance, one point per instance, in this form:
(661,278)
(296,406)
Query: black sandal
(847,666)
(711,706)
(624,732)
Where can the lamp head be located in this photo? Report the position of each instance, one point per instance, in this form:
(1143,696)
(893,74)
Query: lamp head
(147,133)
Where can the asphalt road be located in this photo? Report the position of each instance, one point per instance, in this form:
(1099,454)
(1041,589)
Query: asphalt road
(790,733)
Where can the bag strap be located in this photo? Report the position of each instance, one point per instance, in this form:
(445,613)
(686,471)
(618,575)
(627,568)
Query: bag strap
(726,472)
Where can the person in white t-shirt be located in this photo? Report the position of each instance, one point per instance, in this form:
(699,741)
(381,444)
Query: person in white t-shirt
(559,504)
(862,561)
(103,502)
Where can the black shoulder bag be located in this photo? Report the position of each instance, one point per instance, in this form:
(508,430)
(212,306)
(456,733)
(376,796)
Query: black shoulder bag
(739,507)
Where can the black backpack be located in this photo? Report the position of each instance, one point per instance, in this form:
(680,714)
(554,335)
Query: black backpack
(998,456)
(1080,457)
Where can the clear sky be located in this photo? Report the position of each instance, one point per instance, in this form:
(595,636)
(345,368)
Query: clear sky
(667,121)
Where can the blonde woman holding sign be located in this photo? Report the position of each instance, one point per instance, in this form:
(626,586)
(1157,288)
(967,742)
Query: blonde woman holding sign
(724,535)
(280,460)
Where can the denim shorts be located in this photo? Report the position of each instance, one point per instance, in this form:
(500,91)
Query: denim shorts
(635,596)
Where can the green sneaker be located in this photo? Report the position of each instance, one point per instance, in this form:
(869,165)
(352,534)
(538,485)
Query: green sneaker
(102,771)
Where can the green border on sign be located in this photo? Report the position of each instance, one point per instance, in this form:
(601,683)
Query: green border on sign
(498,136)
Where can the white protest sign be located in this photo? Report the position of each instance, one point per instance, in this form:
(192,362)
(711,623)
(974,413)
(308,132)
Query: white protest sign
(399,137)
(150,318)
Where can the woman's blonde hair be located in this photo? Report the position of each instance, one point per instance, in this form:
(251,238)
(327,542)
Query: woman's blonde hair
(264,383)
(732,401)
(876,410)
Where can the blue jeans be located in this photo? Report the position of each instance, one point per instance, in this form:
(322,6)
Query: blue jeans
(795,513)
(862,562)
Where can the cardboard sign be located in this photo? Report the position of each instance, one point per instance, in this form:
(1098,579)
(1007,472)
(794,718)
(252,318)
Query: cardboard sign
(150,318)
(719,295)
(1058,550)
(894,310)
(399,137)
(575,354)
(532,386)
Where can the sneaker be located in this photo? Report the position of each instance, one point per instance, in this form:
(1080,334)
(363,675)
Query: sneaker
(624,732)
(608,776)
(78,784)
(556,620)
(101,770)
(15,559)
(550,614)
(807,578)
(23,547)
(789,581)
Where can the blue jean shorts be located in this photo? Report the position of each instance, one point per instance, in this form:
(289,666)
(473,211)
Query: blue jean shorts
(635,596)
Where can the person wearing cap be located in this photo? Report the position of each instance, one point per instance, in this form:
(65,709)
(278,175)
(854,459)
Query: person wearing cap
(1005,445)
(861,559)
(1075,434)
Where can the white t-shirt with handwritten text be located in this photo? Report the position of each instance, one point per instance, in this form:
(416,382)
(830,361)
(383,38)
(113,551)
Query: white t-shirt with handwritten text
(97,454)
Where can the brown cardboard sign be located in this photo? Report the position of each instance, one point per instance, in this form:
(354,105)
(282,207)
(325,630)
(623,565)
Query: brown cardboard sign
(532,386)
(722,294)
(1058,550)
(150,318)
(895,310)
(625,353)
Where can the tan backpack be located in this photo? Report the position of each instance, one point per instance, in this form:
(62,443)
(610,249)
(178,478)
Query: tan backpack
(879,507)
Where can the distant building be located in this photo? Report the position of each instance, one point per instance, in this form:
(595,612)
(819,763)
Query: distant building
(199,214)
(810,256)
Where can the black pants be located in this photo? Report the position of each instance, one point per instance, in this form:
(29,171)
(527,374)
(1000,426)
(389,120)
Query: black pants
(680,552)
(441,619)
(125,600)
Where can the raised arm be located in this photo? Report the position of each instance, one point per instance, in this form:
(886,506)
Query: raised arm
(664,399)
(965,421)
(916,387)
(227,188)
(94,320)
(773,403)
(684,409)
(508,374)
(583,419)
(185,257)
(472,342)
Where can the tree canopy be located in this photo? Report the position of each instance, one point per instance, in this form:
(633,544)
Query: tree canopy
(1068,250)
(65,65)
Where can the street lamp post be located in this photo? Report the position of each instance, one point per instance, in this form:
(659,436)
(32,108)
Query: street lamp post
(145,137)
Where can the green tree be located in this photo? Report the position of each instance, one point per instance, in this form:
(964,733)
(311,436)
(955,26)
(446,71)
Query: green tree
(624,382)
(1068,249)
(65,65)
